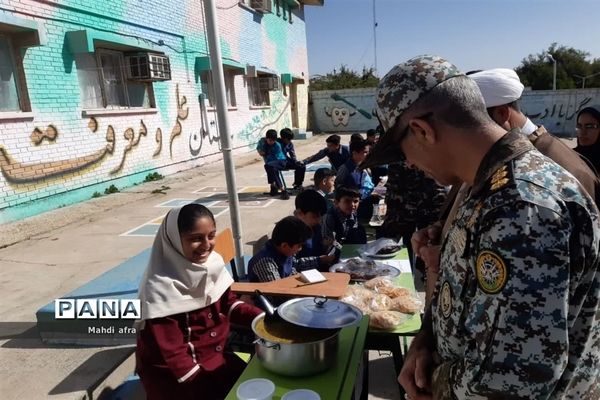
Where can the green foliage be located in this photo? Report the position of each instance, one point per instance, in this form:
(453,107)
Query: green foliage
(536,71)
(345,78)
(96,195)
(154,176)
(111,189)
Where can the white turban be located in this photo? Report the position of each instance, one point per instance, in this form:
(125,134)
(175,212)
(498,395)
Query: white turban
(498,86)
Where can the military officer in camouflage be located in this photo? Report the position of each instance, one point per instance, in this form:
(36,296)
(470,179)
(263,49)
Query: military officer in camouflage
(515,313)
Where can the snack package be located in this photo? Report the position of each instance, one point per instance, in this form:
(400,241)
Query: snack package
(386,320)
(406,304)
(359,297)
(380,302)
(380,281)
(393,291)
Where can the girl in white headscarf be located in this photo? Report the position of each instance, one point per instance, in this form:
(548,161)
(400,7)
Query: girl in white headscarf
(186,310)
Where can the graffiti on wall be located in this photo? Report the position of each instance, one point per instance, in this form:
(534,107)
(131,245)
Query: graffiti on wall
(267,118)
(339,115)
(38,136)
(20,173)
(557,110)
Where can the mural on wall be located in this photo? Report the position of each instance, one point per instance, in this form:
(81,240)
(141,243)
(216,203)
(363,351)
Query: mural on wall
(568,116)
(18,172)
(182,114)
(197,138)
(339,115)
(50,133)
(364,113)
(267,118)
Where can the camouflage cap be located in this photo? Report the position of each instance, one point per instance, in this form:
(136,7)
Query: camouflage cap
(397,91)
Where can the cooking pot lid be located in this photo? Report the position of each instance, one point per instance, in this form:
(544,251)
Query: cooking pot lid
(319,312)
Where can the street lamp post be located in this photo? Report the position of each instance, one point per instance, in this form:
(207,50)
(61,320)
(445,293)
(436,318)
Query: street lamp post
(583,78)
(550,58)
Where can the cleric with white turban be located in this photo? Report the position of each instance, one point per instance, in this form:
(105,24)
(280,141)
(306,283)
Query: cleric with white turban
(498,86)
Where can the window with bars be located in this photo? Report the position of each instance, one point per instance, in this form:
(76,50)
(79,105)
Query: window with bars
(208,87)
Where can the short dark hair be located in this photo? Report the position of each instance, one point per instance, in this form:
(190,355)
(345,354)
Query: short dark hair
(344,191)
(311,201)
(323,173)
(371,133)
(358,145)
(290,230)
(333,139)
(355,137)
(271,134)
(286,133)
(593,111)
(189,214)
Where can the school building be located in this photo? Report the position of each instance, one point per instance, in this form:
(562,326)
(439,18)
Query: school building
(99,93)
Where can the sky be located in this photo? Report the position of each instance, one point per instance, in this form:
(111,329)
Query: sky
(472,34)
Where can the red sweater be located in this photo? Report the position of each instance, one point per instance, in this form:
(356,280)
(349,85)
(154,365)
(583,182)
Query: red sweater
(182,347)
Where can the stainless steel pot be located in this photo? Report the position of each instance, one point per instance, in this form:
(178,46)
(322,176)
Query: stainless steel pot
(296,359)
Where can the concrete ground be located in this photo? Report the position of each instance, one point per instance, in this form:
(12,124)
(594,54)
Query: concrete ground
(47,256)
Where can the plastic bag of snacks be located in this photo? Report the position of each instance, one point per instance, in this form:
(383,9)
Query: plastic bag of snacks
(406,304)
(380,302)
(386,320)
(358,296)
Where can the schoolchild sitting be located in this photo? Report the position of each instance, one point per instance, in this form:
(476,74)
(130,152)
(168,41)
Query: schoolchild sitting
(341,224)
(291,162)
(187,308)
(324,179)
(272,153)
(310,208)
(276,259)
(352,176)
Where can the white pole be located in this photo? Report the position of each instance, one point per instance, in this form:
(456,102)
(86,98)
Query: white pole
(554,78)
(375,37)
(216,67)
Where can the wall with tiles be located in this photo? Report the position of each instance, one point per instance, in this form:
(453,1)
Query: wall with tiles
(60,152)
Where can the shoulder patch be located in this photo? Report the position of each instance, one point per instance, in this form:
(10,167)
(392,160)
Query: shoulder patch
(446,299)
(492,272)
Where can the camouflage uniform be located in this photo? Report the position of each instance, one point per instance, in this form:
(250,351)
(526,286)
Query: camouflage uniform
(516,310)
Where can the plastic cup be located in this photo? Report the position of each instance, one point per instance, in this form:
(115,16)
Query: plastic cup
(256,389)
(301,394)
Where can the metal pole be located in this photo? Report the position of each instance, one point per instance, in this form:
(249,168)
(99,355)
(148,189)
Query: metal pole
(554,78)
(583,83)
(212,30)
(375,36)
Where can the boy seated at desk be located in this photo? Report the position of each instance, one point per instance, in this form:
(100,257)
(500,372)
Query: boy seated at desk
(310,208)
(341,224)
(276,259)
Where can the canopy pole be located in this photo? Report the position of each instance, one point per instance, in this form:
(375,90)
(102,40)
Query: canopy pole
(218,79)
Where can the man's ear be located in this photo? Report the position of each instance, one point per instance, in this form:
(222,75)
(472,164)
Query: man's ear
(501,115)
(422,130)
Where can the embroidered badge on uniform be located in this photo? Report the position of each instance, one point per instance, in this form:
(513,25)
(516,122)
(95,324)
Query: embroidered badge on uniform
(492,272)
(500,178)
(458,239)
(446,299)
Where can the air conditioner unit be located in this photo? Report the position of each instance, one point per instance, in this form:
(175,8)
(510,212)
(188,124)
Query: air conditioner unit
(148,67)
(268,83)
(262,6)
(251,71)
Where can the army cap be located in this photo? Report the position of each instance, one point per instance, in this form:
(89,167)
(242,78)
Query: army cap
(396,92)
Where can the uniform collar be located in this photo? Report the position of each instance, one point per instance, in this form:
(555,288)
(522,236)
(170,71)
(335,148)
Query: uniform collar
(507,148)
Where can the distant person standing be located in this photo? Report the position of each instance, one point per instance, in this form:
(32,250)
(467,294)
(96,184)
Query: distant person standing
(588,135)
(350,175)
(336,153)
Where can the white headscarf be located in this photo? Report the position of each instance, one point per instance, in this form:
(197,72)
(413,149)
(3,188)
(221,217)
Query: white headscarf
(172,284)
(498,86)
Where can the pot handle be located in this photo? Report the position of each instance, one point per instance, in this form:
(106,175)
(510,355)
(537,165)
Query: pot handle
(264,304)
(268,345)
(320,301)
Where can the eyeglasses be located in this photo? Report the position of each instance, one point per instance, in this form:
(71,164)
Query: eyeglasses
(586,127)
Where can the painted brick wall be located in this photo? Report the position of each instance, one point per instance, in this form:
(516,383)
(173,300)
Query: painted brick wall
(62,153)
(348,110)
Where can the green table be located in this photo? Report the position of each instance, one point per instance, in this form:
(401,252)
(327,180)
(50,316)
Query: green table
(337,383)
(390,340)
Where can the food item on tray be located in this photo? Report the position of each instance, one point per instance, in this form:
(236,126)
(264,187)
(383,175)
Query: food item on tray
(388,250)
(364,269)
(380,302)
(393,291)
(380,281)
(386,320)
(406,304)
(358,296)
(286,333)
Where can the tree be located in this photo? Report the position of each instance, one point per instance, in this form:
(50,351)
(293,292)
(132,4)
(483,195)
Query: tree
(345,78)
(536,71)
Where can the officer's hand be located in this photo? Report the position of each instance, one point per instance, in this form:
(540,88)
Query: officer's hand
(426,236)
(415,376)
(431,257)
